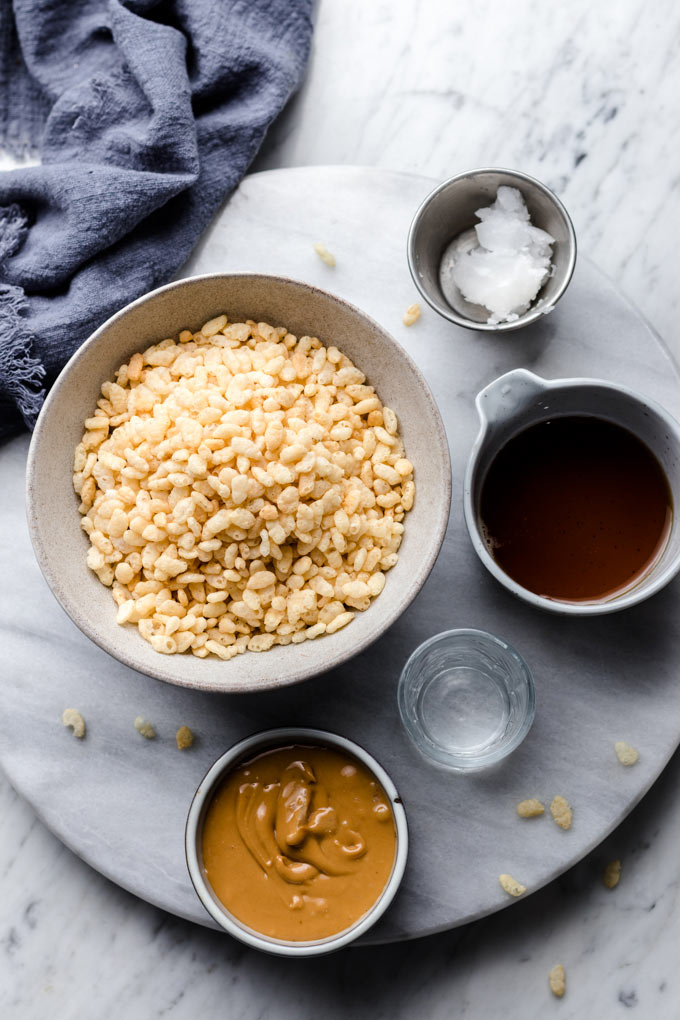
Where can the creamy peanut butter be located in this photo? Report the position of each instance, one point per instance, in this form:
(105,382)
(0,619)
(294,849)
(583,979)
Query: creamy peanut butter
(299,842)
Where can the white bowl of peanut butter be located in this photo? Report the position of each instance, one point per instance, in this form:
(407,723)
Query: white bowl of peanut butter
(296,841)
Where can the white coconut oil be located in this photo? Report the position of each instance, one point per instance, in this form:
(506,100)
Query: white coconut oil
(501,263)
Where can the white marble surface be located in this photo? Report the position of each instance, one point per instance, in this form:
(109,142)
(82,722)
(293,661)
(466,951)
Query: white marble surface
(409,86)
(589,687)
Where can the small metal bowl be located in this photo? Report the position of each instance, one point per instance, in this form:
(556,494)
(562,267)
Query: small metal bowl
(243,751)
(450,209)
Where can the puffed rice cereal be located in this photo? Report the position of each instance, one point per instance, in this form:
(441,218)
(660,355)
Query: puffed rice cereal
(184,738)
(144,727)
(531,808)
(411,315)
(324,254)
(241,489)
(557,980)
(511,886)
(561,811)
(626,754)
(612,874)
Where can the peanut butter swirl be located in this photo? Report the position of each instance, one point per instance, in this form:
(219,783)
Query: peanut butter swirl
(300,842)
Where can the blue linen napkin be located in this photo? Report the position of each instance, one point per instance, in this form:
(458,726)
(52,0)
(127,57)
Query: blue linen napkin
(150,113)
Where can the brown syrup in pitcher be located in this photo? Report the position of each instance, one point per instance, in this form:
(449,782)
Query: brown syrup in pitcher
(576,509)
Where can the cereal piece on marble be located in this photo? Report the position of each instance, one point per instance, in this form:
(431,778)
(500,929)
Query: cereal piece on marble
(411,315)
(557,981)
(511,885)
(144,727)
(72,717)
(184,738)
(324,254)
(561,811)
(626,754)
(612,874)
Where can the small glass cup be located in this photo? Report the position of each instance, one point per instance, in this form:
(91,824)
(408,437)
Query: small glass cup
(466,699)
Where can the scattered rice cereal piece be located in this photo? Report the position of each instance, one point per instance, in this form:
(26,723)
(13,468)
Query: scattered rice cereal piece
(561,812)
(626,754)
(511,885)
(144,727)
(185,738)
(72,717)
(324,254)
(557,981)
(411,315)
(612,874)
(530,808)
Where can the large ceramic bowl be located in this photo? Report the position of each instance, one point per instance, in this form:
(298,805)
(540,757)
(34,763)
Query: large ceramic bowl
(54,521)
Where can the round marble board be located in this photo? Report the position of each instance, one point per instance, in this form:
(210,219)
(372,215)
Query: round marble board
(120,801)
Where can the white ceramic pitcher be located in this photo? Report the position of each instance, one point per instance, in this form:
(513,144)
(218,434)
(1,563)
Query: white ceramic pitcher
(518,399)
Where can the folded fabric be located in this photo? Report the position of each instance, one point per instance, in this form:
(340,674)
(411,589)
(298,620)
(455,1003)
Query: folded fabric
(151,111)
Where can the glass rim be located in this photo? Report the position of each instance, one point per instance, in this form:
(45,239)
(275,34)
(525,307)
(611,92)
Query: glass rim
(461,761)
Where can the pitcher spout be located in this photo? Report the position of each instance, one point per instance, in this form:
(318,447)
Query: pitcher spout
(507,396)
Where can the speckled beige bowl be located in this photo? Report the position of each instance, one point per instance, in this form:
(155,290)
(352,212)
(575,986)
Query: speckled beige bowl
(52,507)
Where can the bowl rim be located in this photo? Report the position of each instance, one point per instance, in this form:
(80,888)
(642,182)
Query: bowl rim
(225,919)
(532,314)
(433,753)
(105,639)
(633,596)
